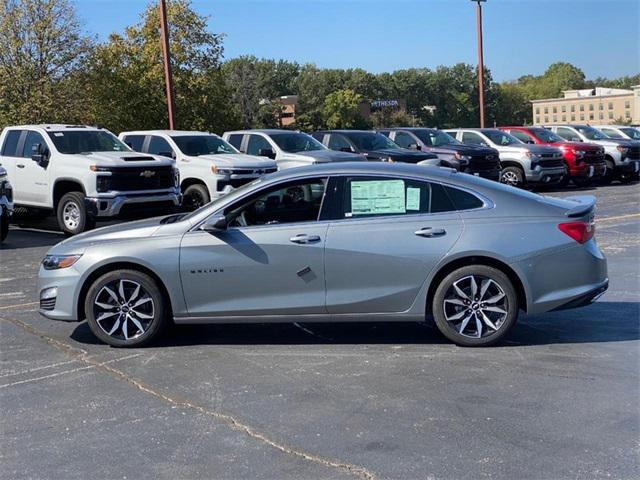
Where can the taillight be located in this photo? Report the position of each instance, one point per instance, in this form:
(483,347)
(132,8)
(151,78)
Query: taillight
(581,232)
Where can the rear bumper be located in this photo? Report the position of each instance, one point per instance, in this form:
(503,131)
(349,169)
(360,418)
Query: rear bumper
(586,298)
(112,206)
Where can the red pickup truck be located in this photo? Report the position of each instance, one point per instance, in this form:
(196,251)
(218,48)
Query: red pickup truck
(584,161)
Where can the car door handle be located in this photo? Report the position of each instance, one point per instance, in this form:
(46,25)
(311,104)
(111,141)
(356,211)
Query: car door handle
(430,232)
(303,238)
(186,160)
(20,165)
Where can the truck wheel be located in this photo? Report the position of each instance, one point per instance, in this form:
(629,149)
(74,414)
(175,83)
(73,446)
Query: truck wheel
(125,308)
(195,196)
(513,176)
(4,226)
(610,174)
(475,306)
(72,214)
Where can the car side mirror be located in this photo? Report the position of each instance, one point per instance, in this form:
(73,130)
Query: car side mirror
(414,146)
(216,224)
(39,155)
(530,142)
(266,152)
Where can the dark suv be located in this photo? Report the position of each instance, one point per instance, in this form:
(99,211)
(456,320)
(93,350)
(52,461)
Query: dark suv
(475,160)
(374,146)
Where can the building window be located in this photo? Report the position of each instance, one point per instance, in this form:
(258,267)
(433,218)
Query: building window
(627,114)
(582,108)
(591,107)
(573,108)
(555,109)
(555,118)
(610,105)
(546,119)
(538,110)
(582,116)
(610,115)
(573,118)
(564,108)
(601,115)
(546,109)
(564,118)
(601,106)
(591,116)
(627,104)
(537,119)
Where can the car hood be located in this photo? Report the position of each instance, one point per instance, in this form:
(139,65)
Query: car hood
(465,149)
(326,156)
(237,160)
(123,159)
(526,147)
(411,156)
(576,145)
(614,142)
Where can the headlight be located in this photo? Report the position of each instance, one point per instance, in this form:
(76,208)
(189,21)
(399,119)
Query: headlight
(220,171)
(580,153)
(463,159)
(531,155)
(622,150)
(103,183)
(55,262)
(176,178)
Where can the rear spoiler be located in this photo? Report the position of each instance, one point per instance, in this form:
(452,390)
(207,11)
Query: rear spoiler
(584,204)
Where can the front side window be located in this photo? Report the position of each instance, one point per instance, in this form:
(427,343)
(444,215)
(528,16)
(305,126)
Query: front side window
(611,133)
(338,142)
(546,136)
(294,202)
(11,143)
(295,142)
(236,140)
(568,134)
(631,133)
(472,138)
(522,136)
(33,139)
(591,133)
(134,141)
(404,139)
(435,138)
(196,145)
(257,143)
(159,146)
(79,141)
(370,141)
(501,138)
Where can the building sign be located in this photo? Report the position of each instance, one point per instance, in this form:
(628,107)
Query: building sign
(379,104)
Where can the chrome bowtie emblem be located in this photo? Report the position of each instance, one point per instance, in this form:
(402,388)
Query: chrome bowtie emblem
(147,174)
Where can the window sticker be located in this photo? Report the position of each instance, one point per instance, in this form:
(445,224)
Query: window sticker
(58,134)
(371,197)
(413,198)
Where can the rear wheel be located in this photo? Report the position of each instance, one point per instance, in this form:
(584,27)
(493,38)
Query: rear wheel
(73,217)
(195,196)
(125,308)
(475,306)
(513,176)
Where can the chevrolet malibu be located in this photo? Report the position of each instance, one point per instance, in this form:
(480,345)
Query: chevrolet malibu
(341,242)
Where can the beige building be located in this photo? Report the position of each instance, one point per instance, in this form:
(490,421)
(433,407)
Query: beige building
(594,105)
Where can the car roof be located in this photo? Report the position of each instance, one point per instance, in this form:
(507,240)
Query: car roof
(267,131)
(346,130)
(59,126)
(175,133)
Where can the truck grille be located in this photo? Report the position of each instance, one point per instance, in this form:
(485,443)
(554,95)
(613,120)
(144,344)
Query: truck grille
(484,162)
(634,153)
(593,157)
(551,160)
(141,178)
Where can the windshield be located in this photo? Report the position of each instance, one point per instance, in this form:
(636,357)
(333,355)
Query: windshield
(369,141)
(195,145)
(501,138)
(546,136)
(295,142)
(78,141)
(631,132)
(591,133)
(435,138)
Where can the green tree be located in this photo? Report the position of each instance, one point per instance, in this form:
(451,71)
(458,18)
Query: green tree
(42,51)
(126,81)
(341,109)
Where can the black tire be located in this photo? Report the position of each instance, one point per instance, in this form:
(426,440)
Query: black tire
(72,214)
(610,174)
(4,225)
(513,176)
(628,177)
(195,196)
(131,311)
(460,333)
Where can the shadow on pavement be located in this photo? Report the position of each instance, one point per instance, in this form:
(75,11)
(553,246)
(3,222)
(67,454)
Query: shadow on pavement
(21,238)
(600,322)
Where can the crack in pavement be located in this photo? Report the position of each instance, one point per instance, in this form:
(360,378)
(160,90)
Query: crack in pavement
(83,356)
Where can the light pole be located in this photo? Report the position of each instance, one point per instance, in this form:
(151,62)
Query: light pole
(166,60)
(480,60)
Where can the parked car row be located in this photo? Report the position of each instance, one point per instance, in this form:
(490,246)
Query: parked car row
(85,174)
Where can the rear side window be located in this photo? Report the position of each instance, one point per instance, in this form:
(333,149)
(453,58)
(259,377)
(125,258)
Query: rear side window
(463,200)
(33,139)
(235,140)
(11,143)
(134,141)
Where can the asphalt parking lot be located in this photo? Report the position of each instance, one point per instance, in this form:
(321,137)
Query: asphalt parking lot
(558,400)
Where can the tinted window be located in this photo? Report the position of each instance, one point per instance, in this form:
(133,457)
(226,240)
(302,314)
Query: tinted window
(610,132)
(463,200)
(501,138)
(338,142)
(293,203)
(134,141)
(296,142)
(368,141)
(472,138)
(11,143)
(195,145)
(567,133)
(236,140)
(435,138)
(520,135)
(376,197)
(545,135)
(591,133)
(159,146)
(33,139)
(257,143)
(79,141)
(404,139)
(631,132)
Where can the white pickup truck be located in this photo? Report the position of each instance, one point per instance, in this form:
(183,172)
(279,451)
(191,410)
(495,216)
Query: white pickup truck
(84,174)
(209,166)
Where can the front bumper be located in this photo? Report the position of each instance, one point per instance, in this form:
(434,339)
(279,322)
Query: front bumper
(488,174)
(111,206)
(589,170)
(6,208)
(61,303)
(547,176)
(628,166)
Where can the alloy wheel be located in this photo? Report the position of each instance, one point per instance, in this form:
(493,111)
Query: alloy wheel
(193,201)
(71,215)
(476,306)
(123,309)
(510,178)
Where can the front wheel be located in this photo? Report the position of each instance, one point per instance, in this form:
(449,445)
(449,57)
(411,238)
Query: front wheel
(195,196)
(475,306)
(4,225)
(513,176)
(72,214)
(125,308)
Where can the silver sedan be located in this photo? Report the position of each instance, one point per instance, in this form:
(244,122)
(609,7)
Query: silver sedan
(337,242)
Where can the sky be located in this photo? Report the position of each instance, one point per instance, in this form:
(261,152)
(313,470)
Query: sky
(602,37)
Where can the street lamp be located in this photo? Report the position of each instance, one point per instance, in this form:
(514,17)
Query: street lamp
(480,60)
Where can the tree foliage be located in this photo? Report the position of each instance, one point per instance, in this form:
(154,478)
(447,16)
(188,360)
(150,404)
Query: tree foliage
(341,109)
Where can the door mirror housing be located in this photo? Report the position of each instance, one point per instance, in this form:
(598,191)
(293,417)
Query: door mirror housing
(216,224)
(267,152)
(39,155)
